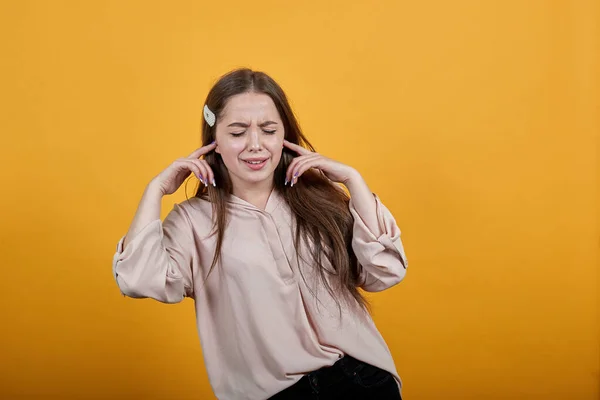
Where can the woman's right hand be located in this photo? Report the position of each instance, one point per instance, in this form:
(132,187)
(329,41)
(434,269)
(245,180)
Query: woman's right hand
(169,180)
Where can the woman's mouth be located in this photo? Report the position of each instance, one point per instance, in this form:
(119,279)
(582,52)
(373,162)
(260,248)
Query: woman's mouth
(256,164)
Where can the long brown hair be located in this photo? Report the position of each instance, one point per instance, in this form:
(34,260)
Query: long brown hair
(320,207)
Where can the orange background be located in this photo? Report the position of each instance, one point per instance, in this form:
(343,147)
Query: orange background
(475,122)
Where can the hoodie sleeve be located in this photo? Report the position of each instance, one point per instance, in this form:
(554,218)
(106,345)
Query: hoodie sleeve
(157,262)
(382,259)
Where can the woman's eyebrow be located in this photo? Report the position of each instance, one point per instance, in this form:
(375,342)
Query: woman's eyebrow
(244,125)
(240,124)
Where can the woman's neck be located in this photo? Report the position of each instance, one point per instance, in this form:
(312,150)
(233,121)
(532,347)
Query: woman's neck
(256,194)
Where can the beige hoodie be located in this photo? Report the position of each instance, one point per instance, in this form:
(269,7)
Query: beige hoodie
(261,328)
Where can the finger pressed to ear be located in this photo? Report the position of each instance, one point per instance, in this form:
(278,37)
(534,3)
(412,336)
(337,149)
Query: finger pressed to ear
(196,153)
(297,148)
(203,150)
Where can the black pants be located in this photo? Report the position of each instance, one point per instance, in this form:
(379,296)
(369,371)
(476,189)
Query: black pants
(347,379)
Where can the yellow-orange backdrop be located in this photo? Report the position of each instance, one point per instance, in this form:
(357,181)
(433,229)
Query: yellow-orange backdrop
(476,123)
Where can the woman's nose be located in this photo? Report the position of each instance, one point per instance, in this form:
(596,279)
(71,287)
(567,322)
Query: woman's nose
(254,140)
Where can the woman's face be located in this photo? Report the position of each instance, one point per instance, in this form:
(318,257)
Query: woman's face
(249,138)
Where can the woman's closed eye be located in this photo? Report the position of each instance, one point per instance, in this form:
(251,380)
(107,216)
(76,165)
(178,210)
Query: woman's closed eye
(267,131)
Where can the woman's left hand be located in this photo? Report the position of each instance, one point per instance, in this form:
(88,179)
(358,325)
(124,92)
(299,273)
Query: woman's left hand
(307,159)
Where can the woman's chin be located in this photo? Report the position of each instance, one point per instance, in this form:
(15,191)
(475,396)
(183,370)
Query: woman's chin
(257,178)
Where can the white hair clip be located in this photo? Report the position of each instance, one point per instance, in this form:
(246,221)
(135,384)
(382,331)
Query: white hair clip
(209,116)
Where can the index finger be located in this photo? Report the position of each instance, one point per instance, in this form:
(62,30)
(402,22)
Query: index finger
(297,148)
(203,150)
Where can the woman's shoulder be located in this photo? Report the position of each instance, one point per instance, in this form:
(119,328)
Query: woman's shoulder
(196,210)
(195,206)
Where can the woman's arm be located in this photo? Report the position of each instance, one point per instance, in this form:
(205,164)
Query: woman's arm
(364,202)
(375,236)
(375,239)
(154,259)
(148,210)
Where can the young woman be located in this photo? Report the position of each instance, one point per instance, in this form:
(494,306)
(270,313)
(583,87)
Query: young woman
(273,252)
